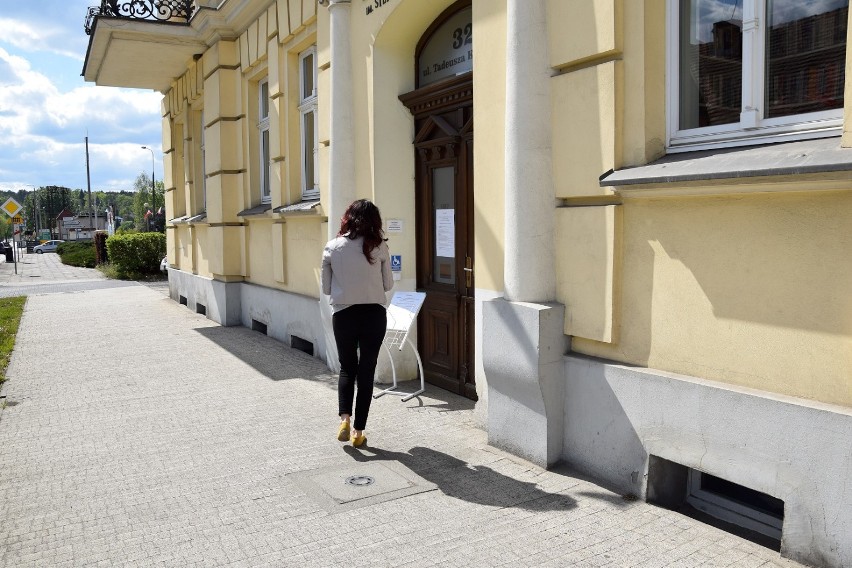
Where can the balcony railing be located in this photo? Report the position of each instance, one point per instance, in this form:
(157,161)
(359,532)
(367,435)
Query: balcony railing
(148,10)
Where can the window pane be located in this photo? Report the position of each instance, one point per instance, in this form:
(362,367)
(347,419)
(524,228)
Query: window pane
(308,150)
(264,100)
(444,229)
(307,76)
(806,53)
(711,62)
(265,163)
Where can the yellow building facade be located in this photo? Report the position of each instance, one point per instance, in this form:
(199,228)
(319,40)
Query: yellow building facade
(631,219)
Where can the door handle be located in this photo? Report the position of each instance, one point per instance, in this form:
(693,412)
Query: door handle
(468,271)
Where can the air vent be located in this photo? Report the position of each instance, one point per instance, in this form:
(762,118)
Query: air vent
(302,345)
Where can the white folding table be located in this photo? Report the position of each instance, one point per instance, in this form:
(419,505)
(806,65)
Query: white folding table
(402,315)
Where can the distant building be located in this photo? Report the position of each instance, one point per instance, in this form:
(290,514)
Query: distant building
(71,227)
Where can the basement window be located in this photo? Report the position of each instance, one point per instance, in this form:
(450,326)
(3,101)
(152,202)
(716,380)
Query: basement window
(735,504)
(258,326)
(302,345)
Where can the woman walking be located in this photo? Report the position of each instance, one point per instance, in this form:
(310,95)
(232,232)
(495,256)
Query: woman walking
(356,274)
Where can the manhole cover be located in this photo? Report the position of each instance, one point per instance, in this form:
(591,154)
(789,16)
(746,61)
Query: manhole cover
(359,480)
(350,485)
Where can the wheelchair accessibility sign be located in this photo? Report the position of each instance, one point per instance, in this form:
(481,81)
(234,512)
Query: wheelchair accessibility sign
(396,262)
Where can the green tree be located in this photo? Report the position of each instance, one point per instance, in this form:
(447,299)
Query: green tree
(42,206)
(142,186)
(5,226)
(122,203)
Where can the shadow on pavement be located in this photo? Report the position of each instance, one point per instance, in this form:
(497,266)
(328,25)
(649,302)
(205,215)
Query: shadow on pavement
(278,362)
(475,484)
(454,477)
(436,398)
(268,356)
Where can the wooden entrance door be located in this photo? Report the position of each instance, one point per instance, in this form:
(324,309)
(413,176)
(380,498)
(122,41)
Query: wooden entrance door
(443,148)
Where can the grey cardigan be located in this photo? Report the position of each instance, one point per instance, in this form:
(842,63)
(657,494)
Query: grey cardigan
(349,278)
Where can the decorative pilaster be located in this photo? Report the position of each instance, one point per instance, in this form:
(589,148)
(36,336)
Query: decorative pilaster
(342,140)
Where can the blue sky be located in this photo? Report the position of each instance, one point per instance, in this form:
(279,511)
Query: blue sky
(47,109)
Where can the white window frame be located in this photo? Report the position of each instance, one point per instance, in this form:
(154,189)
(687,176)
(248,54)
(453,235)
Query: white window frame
(308,105)
(263,145)
(729,510)
(752,127)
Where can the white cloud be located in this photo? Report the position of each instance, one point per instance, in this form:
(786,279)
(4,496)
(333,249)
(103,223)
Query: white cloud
(33,37)
(42,130)
(102,104)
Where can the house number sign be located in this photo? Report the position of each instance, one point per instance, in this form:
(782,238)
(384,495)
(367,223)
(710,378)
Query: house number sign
(449,51)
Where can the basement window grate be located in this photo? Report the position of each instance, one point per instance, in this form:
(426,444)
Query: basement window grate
(302,345)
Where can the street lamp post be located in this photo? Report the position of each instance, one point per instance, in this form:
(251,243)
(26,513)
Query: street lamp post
(153,186)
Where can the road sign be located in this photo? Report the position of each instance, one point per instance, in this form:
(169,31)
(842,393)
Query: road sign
(11,207)
(17,219)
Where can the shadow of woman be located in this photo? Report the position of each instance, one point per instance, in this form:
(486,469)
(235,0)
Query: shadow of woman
(474,484)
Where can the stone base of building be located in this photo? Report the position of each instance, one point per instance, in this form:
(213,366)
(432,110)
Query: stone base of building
(522,349)
(290,318)
(620,421)
(298,321)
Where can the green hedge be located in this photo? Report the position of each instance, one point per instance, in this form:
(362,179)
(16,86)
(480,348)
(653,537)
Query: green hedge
(136,254)
(77,253)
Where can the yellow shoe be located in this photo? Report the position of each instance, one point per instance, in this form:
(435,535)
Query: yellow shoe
(358,441)
(343,432)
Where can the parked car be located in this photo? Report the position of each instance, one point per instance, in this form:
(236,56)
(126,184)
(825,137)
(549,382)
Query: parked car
(164,264)
(47,246)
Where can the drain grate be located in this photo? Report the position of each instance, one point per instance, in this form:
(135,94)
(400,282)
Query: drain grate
(359,480)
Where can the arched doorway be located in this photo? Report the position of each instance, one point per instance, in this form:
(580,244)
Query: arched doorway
(442,105)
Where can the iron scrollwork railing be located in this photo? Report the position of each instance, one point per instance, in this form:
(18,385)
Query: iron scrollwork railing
(149,10)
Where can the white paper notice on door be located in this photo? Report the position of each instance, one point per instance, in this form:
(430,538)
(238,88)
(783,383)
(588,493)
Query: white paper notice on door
(445,233)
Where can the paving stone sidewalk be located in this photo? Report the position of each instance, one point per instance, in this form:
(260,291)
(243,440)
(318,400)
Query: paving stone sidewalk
(35,273)
(138,433)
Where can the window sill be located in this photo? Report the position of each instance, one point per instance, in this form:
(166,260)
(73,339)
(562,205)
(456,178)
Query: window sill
(305,208)
(259,210)
(759,165)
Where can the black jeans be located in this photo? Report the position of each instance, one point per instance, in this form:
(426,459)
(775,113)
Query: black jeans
(358,327)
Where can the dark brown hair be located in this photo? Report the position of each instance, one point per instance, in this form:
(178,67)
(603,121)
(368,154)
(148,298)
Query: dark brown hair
(362,219)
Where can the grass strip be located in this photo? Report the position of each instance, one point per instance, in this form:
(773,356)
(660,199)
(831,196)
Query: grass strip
(11,310)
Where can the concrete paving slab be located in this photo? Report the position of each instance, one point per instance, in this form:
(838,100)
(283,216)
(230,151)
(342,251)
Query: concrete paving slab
(359,484)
